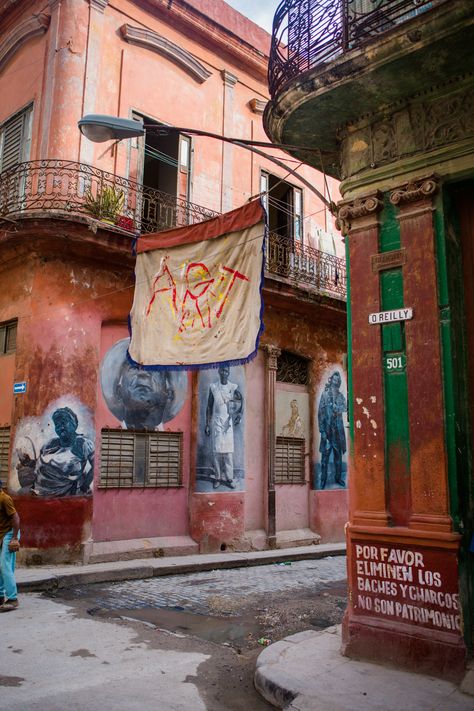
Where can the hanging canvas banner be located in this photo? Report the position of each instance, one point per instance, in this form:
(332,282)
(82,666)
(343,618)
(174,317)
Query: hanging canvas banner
(198,293)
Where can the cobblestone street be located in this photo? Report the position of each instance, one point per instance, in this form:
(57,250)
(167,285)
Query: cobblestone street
(199,592)
(226,614)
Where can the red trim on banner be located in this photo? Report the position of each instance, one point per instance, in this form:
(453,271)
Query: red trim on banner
(239,219)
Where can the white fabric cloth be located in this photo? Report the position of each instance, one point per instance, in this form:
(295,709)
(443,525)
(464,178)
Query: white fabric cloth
(197,297)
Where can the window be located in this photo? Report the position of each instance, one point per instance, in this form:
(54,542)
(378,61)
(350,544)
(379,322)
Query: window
(15,138)
(140,459)
(284,206)
(292,369)
(8,337)
(289,460)
(4,451)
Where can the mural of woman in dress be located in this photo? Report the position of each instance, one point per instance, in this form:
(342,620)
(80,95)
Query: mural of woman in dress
(140,399)
(331,470)
(220,454)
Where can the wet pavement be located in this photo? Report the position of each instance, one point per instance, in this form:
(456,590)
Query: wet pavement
(234,607)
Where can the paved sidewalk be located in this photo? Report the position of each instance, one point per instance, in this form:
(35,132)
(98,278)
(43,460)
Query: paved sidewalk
(55,577)
(306,672)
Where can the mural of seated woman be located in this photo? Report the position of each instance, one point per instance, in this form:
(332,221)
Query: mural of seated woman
(65,465)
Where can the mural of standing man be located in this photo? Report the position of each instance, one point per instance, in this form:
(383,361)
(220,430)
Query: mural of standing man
(332,405)
(224,410)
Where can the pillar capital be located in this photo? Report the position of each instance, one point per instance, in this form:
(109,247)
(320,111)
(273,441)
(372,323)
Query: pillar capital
(349,211)
(272,356)
(415,191)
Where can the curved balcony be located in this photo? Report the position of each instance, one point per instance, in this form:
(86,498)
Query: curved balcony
(307,33)
(360,79)
(70,188)
(78,188)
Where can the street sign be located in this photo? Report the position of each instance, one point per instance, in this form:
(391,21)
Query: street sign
(382,317)
(19,387)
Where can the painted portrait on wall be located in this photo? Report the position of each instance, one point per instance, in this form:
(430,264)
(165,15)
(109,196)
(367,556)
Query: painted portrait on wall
(140,399)
(220,441)
(53,454)
(330,469)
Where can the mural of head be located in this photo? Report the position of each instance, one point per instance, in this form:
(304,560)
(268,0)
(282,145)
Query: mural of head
(224,372)
(335,379)
(65,424)
(142,399)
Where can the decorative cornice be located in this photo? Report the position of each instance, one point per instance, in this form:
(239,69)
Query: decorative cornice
(35,25)
(415,190)
(355,209)
(230,79)
(257,106)
(272,356)
(156,43)
(99,5)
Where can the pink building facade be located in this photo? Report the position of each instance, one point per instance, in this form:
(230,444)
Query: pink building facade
(98,468)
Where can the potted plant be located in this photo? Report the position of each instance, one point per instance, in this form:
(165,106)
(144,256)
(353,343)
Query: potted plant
(106,204)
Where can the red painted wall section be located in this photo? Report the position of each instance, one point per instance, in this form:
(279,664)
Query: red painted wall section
(329,514)
(138,513)
(217,521)
(65,521)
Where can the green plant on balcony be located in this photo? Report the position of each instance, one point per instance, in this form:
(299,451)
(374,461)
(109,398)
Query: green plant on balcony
(106,204)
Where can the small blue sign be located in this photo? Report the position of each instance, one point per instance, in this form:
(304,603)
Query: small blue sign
(19,388)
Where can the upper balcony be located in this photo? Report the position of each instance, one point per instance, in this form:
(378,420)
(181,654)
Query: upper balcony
(66,190)
(335,61)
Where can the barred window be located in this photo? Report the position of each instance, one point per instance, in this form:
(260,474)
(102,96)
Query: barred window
(292,369)
(140,459)
(289,460)
(8,337)
(4,451)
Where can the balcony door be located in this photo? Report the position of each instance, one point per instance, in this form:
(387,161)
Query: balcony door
(161,164)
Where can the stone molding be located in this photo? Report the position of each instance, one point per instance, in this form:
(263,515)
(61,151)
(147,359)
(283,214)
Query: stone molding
(257,106)
(229,79)
(99,5)
(34,26)
(422,126)
(272,356)
(351,210)
(148,39)
(415,190)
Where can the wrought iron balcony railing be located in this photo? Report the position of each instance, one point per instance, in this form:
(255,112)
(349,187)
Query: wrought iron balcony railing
(79,189)
(307,33)
(304,266)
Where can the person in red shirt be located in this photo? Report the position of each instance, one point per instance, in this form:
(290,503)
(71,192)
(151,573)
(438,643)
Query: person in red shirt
(9,546)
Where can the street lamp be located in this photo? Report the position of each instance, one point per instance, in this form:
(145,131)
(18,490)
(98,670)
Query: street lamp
(100,128)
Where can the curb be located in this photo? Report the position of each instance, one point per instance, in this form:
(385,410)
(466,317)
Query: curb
(56,578)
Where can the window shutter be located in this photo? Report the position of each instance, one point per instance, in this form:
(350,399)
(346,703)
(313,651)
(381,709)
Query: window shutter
(12,144)
(4,450)
(10,339)
(289,460)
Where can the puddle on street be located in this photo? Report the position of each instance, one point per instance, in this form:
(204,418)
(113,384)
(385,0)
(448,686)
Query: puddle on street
(233,630)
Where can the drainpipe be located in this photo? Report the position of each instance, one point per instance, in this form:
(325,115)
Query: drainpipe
(272,363)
